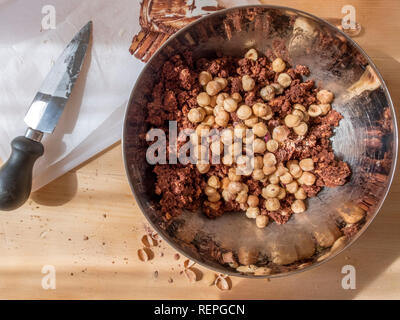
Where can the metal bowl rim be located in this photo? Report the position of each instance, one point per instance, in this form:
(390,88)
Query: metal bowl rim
(321,22)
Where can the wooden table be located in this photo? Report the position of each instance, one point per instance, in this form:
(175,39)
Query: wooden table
(87,225)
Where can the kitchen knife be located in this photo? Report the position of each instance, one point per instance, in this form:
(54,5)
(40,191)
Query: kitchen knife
(42,117)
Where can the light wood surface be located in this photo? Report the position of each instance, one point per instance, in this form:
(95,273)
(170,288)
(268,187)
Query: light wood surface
(88,226)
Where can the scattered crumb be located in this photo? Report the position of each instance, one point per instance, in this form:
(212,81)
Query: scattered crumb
(177,256)
(155,274)
(170,280)
(85,238)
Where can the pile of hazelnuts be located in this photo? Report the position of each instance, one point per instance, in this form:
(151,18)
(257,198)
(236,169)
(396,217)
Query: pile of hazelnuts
(214,111)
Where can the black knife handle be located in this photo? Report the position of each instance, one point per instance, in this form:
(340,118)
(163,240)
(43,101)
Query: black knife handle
(16,173)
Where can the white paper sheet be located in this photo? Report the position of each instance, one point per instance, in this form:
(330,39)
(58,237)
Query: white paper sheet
(92,119)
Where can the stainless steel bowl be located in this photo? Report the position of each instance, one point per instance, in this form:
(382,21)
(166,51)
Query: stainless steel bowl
(366,139)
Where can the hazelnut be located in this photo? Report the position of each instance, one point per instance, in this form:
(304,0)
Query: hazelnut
(239,131)
(233,176)
(216,147)
(214,198)
(262,110)
(203,99)
(325,96)
(261,221)
(258,162)
(267,93)
(272,145)
(269,159)
(295,170)
(325,108)
(292,187)
(252,201)
(259,146)
(203,167)
(250,122)
(230,104)
(306,164)
(270,191)
(282,194)
(301,129)
(280,133)
(251,54)
(273,178)
(221,98)
(286,178)
(269,170)
(237,97)
(222,82)
(209,120)
(213,87)
(258,174)
(213,101)
(195,115)
(214,182)
(307,178)
(222,118)
(260,129)
(252,212)
(284,80)
(300,107)
(272,204)
(235,187)
(278,65)
(292,120)
(244,112)
(299,114)
(314,110)
(300,194)
(298,206)
(204,78)
(278,88)
(242,197)
(248,83)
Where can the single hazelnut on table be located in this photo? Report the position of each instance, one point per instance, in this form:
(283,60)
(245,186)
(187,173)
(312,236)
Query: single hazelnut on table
(204,78)
(325,96)
(203,99)
(261,221)
(278,65)
(244,112)
(267,93)
(284,80)
(248,83)
(272,204)
(213,88)
(252,54)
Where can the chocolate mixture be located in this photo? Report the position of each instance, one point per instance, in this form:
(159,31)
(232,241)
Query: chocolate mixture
(182,186)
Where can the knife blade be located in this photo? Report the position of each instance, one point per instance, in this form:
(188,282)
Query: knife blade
(42,117)
(48,104)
